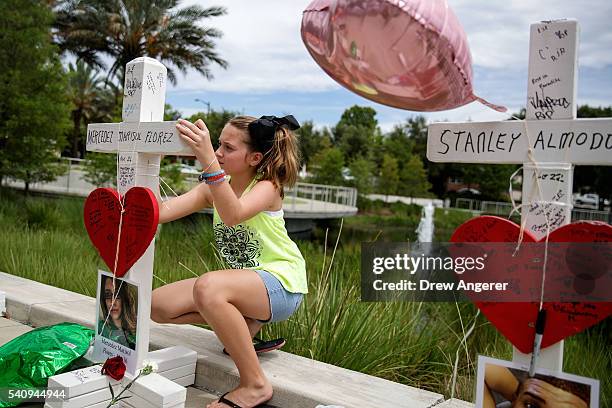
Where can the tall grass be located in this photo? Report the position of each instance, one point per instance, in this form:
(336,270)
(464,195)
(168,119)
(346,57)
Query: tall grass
(413,343)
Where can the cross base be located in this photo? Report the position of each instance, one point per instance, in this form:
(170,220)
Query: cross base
(88,387)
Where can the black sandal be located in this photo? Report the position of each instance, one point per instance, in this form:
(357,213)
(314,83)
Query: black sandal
(262,346)
(232,404)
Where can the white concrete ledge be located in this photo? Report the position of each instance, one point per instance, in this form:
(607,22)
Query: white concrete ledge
(298,382)
(455,403)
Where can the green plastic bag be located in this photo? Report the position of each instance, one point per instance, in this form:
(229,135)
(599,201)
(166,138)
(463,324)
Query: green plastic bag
(27,361)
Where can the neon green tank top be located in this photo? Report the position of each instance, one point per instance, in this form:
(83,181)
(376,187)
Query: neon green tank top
(262,242)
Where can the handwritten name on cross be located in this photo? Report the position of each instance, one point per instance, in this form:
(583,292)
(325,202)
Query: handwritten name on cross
(548,143)
(140,141)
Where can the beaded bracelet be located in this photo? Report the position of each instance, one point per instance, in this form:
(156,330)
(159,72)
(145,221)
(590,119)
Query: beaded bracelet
(211,182)
(204,176)
(215,178)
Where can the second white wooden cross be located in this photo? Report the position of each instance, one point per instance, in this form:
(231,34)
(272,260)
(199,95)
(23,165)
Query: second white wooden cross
(548,143)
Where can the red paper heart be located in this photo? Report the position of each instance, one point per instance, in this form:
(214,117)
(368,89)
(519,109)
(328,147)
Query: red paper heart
(102,216)
(516,320)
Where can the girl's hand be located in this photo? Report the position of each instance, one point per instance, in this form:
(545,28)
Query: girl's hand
(197,137)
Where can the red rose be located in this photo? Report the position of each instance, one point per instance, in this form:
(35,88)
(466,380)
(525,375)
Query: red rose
(114,367)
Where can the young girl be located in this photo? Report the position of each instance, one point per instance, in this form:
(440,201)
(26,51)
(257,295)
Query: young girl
(266,276)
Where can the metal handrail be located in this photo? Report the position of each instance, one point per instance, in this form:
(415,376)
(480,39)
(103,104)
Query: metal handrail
(329,195)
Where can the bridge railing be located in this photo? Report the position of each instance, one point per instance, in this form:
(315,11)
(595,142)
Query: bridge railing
(309,193)
(302,195)
(503,209)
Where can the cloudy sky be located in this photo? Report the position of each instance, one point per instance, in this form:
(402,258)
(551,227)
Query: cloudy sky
(271,71)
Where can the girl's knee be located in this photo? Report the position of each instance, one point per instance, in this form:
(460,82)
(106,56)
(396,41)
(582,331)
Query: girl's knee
(208,291)
(157,310)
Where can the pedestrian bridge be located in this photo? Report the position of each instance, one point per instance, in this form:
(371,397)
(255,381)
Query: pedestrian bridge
(303,204)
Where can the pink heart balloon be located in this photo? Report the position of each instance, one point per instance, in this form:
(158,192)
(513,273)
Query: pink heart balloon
(410,54)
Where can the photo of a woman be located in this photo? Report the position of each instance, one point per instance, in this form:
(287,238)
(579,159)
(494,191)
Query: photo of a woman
(504,384)
(118,311)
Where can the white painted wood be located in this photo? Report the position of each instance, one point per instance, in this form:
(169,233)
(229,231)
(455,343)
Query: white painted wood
(139,141)
(158,390)
(172,357)
(84,400)
(553,69)
(101,404)
(141,132)
(178,372)
(584,141)
(79,382)
(548,143)
(88,386)
(172,362)
(144,88)
(548,191)
(155,137)
(136,401)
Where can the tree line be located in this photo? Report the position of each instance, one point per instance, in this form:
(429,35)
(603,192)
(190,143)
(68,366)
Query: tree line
(46,106)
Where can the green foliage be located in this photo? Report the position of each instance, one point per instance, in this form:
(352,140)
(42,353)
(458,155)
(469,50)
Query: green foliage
(38,215)
(413,178)
(359,116)
(101,169)
(170,113)
(398,144)
(446,221)
(389,175)
(412,343)
(362,171)
(356,131)
(491,179)
(328,169)
(172,176)
(215,121)
(416,128)
(311,141)
(34,107)
(93,100)
(594,179)
(124,30)
(383,222)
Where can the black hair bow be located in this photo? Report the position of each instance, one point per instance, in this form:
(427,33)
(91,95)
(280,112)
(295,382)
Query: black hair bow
(262,130)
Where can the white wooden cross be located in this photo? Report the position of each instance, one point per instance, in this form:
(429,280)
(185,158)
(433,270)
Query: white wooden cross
(548,143)
(140,141)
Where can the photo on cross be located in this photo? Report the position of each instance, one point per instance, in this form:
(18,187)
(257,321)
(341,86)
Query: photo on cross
(503,383)
(117,318)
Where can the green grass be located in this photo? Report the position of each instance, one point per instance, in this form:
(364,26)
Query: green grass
(413,343)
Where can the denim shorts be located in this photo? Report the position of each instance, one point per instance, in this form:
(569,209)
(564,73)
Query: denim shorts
(282,302)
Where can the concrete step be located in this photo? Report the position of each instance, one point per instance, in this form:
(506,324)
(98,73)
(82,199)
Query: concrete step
(298,382)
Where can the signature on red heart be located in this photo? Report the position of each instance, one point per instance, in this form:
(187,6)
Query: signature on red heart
(102,216)
(516,320)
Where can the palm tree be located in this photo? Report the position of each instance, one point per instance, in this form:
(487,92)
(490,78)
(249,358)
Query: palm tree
(92,98)
(128,29)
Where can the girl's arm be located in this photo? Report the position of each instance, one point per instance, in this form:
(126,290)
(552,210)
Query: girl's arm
(194,200)
(233,210)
